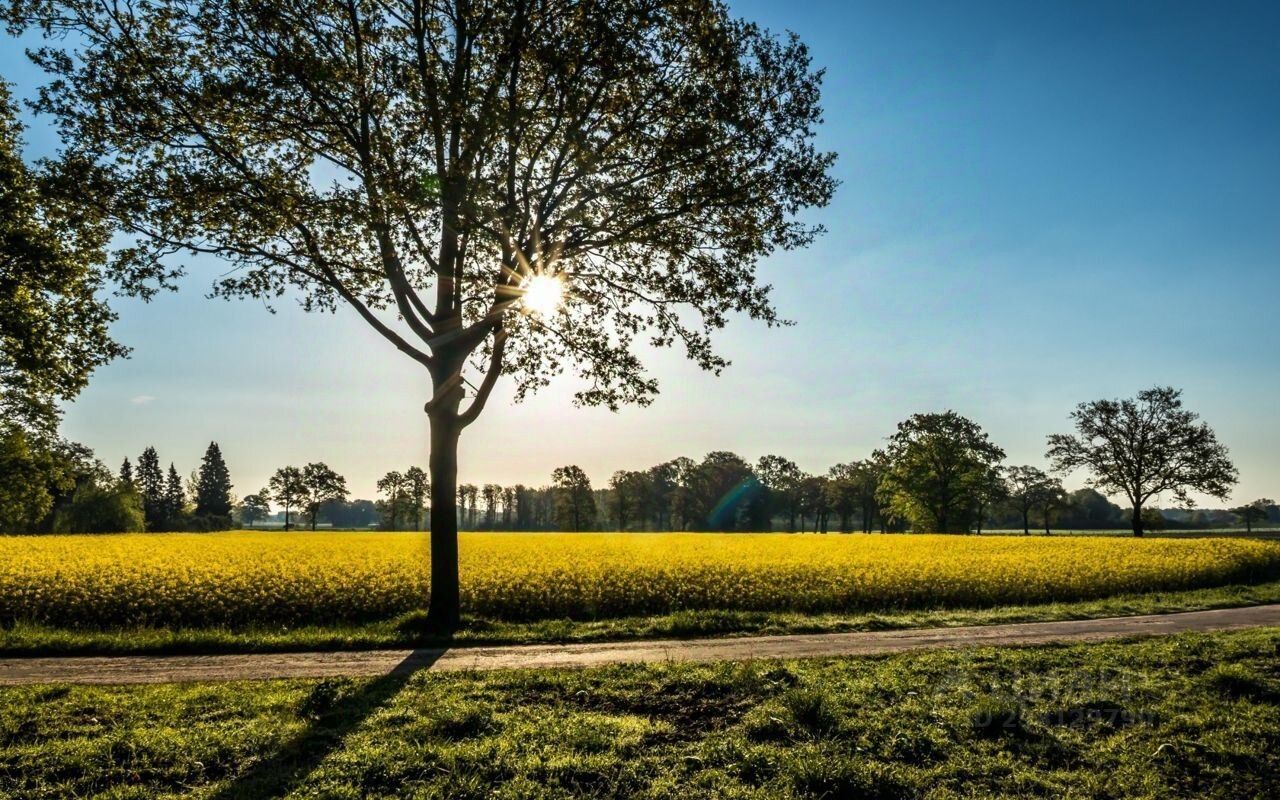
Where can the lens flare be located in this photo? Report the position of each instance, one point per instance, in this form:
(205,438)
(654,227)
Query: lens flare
(542,294)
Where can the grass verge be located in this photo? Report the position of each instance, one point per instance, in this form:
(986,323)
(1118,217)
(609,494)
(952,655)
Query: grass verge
(408,630)
(1185,716)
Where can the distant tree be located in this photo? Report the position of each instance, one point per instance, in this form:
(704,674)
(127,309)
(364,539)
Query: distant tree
(255,507)
(1143,447)
(1050,500)
(629,498)
(353,514)
(664,485)
(288,489)
(174,503)
(1253,512)
(936,466)
(395,487)
(418,486)
(575,502)
(1026,486)
(151,487)
(1089,509)
(842,493)
(722,493)
(1153,520)
(321,485)
(126,473)
(53,322)
(213,486)
(468,494)
(781,478)
(648,154)
(866,476)
(524,501)
(491,494)
(99,508)
(989,491)
(508,506)
(812,493)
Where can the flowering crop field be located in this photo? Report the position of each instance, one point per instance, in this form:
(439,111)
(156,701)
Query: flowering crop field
(248,578)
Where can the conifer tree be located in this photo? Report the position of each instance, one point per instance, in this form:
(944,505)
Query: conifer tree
(151,486)
(126,474)
(213,486)
(174,503)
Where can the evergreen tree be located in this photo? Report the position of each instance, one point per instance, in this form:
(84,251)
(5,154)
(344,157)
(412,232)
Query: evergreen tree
(151,487)
(213,486)
(126,474)
(174,503)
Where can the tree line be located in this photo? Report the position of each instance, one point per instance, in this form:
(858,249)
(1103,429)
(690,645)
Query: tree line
(938,472)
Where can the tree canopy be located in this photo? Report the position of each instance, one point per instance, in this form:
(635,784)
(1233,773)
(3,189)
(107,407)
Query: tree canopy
(53,321)
(427,162)
(1144,447)
(938,471)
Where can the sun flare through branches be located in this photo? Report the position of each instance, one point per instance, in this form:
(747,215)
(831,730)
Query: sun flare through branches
(542,295)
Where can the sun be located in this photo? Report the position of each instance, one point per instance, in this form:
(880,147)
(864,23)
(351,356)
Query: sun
(542,294)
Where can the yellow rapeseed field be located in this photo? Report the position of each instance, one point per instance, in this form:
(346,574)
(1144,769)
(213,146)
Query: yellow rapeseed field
(244,578)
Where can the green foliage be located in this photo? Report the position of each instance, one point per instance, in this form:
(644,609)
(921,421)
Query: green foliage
(25,472)
(1098,720)
(102,509)
(53,326)
(939,472)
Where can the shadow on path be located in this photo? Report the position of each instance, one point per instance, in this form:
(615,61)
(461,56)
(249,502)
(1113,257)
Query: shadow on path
(296,759)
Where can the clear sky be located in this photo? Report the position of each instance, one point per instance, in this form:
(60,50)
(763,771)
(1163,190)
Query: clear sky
(1041,204)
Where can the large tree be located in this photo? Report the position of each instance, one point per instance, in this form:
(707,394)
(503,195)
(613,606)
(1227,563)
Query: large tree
(1144,447)
(53,322)
(458,163)
(939,465)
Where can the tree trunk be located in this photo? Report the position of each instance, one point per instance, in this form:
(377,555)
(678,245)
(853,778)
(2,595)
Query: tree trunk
(1137,520)
(444,610)
(1026,523)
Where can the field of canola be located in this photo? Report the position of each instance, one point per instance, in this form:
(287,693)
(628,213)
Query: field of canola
(278,579)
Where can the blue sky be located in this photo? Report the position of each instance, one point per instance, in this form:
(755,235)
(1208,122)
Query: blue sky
(1041,204)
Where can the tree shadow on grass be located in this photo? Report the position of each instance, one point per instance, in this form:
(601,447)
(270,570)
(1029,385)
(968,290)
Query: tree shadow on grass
(334,715)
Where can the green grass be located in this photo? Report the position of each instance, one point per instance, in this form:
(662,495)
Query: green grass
(1185,716)
(408,630)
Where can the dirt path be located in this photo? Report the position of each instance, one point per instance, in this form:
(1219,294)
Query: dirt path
(167,669)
